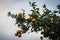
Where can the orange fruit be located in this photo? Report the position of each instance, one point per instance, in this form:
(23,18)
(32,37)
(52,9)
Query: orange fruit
(19,35)
(30,18)
(33,20)
(18,31)
(20,14)
(24,31)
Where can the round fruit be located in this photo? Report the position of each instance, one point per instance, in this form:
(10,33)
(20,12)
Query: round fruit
(20,14)
(24,31)
(33,20)
(18,31)
(30,18)
(19,35)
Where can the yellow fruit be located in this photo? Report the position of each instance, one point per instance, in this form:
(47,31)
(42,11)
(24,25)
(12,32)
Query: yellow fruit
(18,31)
(19,35)
(20,14)
(33,20)
(30,18)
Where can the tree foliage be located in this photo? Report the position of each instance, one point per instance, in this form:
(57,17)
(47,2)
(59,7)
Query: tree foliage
(49,22)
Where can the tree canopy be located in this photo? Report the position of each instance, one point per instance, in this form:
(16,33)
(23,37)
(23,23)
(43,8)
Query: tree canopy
(49,22)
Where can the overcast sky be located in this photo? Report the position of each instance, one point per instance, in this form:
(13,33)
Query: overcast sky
(7,24)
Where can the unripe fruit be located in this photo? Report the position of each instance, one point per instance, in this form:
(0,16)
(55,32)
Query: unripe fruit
(33,20)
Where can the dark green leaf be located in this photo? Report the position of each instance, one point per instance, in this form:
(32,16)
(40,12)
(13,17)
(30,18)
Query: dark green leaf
(44,6)
(18,25)
(33,4)
(37,8)
(29,2)
(9,13)
(32,10)
(55,11)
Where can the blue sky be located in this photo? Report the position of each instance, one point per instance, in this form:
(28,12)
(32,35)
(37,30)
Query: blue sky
(7,24)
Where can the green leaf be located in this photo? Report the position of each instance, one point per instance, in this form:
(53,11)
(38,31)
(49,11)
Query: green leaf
(55,11)
(37,9)
(23,10)
(9,13)
(33,7)
(44,6)
(33,4)
(32,10)
(18,25)
(29,2)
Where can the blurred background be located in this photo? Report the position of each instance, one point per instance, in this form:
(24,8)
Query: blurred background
(7,24)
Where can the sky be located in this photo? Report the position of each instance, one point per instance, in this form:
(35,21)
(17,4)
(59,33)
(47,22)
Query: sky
(7,24)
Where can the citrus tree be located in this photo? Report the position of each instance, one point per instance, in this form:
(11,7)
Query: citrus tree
(49,22)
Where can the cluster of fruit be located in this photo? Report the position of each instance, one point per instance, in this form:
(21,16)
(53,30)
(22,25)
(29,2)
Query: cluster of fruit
(21,18)
(33,20)
(34,17)
(18,33)
(48,21)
